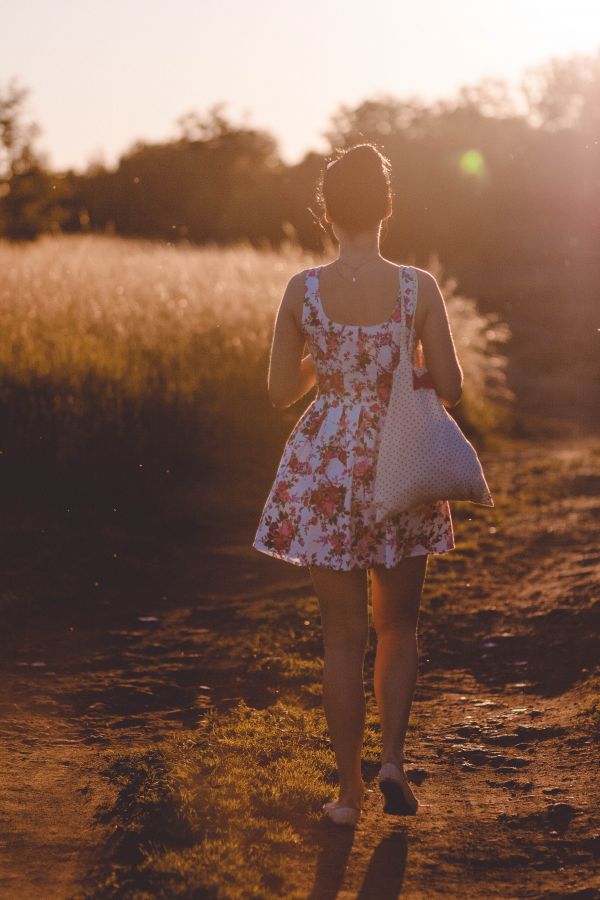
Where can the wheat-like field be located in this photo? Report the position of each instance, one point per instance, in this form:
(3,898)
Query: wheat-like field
(105,339)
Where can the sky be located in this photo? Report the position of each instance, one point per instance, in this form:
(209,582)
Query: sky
(103,75)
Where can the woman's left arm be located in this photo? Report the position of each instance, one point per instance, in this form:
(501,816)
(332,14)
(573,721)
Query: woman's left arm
(290,374)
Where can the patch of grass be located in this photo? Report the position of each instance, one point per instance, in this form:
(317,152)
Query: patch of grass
(232,809)
(227,810)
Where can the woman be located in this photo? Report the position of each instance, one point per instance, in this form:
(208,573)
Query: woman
(319,511)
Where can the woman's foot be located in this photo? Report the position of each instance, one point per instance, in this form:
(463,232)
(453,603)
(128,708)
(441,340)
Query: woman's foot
(399,798)
(342,815)
(347,808)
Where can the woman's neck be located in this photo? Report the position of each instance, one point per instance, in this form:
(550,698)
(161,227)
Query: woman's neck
(358,250)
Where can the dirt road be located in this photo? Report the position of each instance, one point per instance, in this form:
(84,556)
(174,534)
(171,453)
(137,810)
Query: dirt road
(506,761)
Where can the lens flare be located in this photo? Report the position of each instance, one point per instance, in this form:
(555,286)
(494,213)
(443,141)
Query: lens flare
(472,163)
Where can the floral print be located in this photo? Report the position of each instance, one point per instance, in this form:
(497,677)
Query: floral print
(319,510)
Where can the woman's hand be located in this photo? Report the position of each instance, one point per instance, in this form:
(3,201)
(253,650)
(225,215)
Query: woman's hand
(308,373)
(307,378)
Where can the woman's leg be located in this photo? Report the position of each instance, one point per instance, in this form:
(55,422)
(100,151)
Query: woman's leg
(345,619)
(396,598)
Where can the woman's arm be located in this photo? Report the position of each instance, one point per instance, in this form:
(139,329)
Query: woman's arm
(290,374)
(438,343)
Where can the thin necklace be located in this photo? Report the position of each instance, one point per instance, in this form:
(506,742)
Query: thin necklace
(354,268)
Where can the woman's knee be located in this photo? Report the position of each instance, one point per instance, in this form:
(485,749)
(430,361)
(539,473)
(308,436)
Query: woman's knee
(350,641)
(401,630)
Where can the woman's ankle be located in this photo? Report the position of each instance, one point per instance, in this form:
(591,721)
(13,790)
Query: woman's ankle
(355,797)
(395,758)
(352,784)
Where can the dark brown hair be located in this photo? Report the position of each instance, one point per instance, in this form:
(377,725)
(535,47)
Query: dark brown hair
(354,188)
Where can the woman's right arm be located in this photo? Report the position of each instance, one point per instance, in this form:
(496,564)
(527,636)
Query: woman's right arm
(438,345)
(290,374)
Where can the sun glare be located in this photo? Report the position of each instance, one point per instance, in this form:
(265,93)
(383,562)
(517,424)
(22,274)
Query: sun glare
(472,163)
(538,27)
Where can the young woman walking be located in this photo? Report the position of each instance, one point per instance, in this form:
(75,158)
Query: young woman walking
(319,511)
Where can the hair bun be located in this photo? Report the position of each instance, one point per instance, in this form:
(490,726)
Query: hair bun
(362,154)
(355,187)
(363,150)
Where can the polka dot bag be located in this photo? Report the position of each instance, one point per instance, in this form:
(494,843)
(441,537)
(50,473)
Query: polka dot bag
(423,454)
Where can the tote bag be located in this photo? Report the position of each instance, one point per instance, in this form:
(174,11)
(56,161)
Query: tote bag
(423,454)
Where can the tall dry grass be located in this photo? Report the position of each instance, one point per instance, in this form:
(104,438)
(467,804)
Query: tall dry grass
(120,353)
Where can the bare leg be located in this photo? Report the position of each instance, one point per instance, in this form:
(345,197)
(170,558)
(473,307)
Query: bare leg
(344,615)
(396,596)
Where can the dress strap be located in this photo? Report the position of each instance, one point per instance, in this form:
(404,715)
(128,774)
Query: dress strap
(310,283)
(309,307)
(410,283)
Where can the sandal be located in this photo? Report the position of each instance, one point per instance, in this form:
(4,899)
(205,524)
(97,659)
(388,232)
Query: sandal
(391,780)
(342,815)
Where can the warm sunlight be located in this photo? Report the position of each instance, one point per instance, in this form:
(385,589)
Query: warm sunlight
(306,58)
(299,449)
(536,28)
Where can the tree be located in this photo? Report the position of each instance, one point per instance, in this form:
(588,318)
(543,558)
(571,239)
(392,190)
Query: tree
(16,136)
(31,198)
(563,92)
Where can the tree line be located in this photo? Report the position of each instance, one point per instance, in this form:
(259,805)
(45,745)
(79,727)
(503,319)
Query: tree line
(486,176)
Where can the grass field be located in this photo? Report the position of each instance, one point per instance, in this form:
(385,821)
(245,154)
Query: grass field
(128,364)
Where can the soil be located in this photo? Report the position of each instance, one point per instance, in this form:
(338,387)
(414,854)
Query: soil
(505,765)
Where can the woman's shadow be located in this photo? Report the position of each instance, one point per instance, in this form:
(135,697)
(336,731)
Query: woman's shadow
(385,873)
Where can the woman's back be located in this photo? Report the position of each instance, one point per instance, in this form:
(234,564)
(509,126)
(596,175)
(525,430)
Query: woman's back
(367,302)
(371,303)
(355,362)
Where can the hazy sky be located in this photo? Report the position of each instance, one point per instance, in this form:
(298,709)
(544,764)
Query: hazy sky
(103,74)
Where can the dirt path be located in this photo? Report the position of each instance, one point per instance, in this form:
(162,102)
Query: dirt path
(505,770)
(506,776)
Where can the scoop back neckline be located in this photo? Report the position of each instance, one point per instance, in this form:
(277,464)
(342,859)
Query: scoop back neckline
(384,324)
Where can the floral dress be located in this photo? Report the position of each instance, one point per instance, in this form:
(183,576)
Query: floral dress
(319,510)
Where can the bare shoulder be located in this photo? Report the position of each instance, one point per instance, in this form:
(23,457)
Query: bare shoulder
(428,285)
(296,287)
(293,297)
(431,298)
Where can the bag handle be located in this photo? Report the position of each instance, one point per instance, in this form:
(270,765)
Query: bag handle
(407,330)
(414,349)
